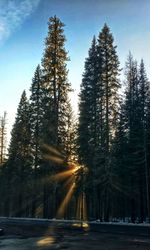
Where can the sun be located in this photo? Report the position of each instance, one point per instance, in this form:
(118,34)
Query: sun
(73,178)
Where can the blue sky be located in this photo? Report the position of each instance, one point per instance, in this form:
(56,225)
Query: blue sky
(23,28)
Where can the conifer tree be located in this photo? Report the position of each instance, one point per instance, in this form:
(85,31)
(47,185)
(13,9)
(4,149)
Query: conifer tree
(36,127)
(109,80)
(56,99)
(3,139)
(144,90)
(89,123)
(55,74)
(135,109)
(19,161)
(132,129)
(120,167)
(110,84)
(88,107)
(147,154)
(36,114)
(99,103)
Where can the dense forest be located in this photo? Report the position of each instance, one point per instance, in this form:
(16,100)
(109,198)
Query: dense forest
(95,166)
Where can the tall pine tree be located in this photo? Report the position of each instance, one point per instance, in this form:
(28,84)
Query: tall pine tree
(36,125)
(109,82)
(99,103)
(56,100)
(89,124)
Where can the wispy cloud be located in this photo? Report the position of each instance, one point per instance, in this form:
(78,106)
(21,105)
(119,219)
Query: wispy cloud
(12,15)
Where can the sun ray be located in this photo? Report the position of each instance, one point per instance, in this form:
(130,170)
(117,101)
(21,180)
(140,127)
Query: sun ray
(56,159)
(52,150)
(72,176)
(63,175)
(63,206)
(68,182)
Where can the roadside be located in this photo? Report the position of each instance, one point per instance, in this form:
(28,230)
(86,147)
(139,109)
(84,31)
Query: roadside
(49,238)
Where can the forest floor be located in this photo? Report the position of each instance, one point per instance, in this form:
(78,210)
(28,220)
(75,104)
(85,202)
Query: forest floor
(50,238)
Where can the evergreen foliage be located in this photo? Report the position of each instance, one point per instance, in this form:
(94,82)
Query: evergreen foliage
(105,153)
(99,103)
(58,114)
(55,79)
(3,139)
(19,162)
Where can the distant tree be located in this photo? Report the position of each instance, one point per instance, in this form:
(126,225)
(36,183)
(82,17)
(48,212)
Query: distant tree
(144,92)
(119,164)
(147,154)
(132,130)
(67,132)
(3,178)
(136,101)
(19,161)
(5,189)
(3,134)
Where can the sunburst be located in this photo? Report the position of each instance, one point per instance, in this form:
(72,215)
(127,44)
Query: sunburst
(71,177)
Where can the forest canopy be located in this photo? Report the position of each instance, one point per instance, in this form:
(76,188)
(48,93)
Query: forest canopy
(95,166)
